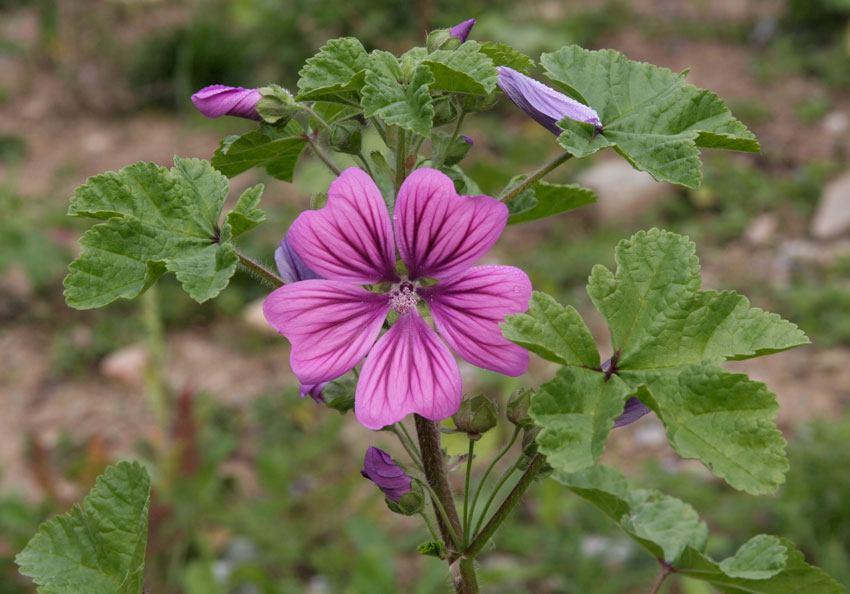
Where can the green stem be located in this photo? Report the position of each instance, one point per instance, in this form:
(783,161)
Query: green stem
(663,571)
(466,581)
(259,272)
(507,506)
(508,473)
(466,491)
(381,131)
(155,382)
(455,133)
(362,158)
(400,156)
(408,445)
(487,472)
(430,525)
(322,155)
(509,194)
(318,118)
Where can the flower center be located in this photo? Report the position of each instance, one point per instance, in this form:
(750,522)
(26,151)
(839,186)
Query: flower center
(403,297)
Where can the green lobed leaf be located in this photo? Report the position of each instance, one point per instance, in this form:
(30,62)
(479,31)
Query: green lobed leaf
(656,120)
(406,104)
(99,547)
(576,411)
(245,214)
(555,332)
(504,55)
(672,532)
(659,318)
(724,420)
(544,199)
(158,220)
(462,70)
(336,69)
(274,149)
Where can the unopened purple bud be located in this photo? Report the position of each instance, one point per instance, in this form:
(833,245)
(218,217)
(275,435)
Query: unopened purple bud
(290,266)
(461,30)
(544,104)
(633,410)
(220,100)
(380,468)
(314,391)
(467,139)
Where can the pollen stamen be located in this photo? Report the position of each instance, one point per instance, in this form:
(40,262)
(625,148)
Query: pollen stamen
(403,298)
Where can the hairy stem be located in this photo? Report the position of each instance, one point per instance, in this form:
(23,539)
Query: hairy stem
(509,194)
(400,157)
(455,133)
(436,474)
(324,157)
(259,272)
(507,506)
(463,576)
(469,457)
(486,475)
(663,571)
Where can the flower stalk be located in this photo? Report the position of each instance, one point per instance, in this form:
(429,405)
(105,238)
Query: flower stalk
(258,271)
(510,193)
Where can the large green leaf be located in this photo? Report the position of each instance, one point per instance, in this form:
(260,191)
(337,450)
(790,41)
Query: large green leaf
(659,318)
(398,102)
(336,70)
(722,419)
(98,548)
(672,532)
(555,332)
(545,200)
(656,120)
(463,70)
(276,150)
(576,410)
(158,220)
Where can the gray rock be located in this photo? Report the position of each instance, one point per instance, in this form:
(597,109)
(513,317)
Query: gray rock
(832,218)
(624,192)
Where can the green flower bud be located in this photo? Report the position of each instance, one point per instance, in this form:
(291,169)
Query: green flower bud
(477,415)
(441,39)
(347,137)
(276,105)
(517,408)
(410,503)
(445,111)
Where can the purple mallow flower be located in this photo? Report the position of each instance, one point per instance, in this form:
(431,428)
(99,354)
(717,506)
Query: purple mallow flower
(291,268)
(333,322)
(634,410)
(220,100)
(379,467)
(461,30)
(546,105)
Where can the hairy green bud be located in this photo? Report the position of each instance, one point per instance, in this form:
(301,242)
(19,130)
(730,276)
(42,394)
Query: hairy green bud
(517,408)
(347,137)
(477,415)
(276,105)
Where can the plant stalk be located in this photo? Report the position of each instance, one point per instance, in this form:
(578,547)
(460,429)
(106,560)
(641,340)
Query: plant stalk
(322,155)
(509,194)
(663,571)
(505,509)
(259,272)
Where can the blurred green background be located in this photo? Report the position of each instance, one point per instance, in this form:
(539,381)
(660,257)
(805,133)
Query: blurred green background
(257,491)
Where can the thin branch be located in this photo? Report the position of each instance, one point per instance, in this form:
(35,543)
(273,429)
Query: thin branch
(322,155)
(258,271)
(487,472)
(469,457)
(509,194)
(663,571)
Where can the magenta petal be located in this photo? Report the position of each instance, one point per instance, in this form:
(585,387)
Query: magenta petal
(439,233)
(410,370)
(467,311)
(215,101)
(351,237)
(330,324)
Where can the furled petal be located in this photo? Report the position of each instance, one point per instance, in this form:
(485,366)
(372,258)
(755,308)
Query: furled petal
(439,233)
(462,29)
(546,105)
(314,391)
(290,266)
(215,101)
(381,469)
(409,371)
(351,237)
(634,410)
(467,311)
(330,324)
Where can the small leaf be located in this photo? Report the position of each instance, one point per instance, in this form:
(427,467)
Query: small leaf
(576,411)
(245,214)
(504,55)
(337,69)
(555,332)
(275,150)
(759,558)
(545,200)
(463,70)
(404,104)
(99,547)
(654,118)
(158,220)
(724,420)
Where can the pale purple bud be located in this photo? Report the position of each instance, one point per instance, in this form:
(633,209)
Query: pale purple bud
(314,391)
(220,100)
(290,266)
(633,410)
(544,104)
(461,30)
(379,467)
(467,139)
